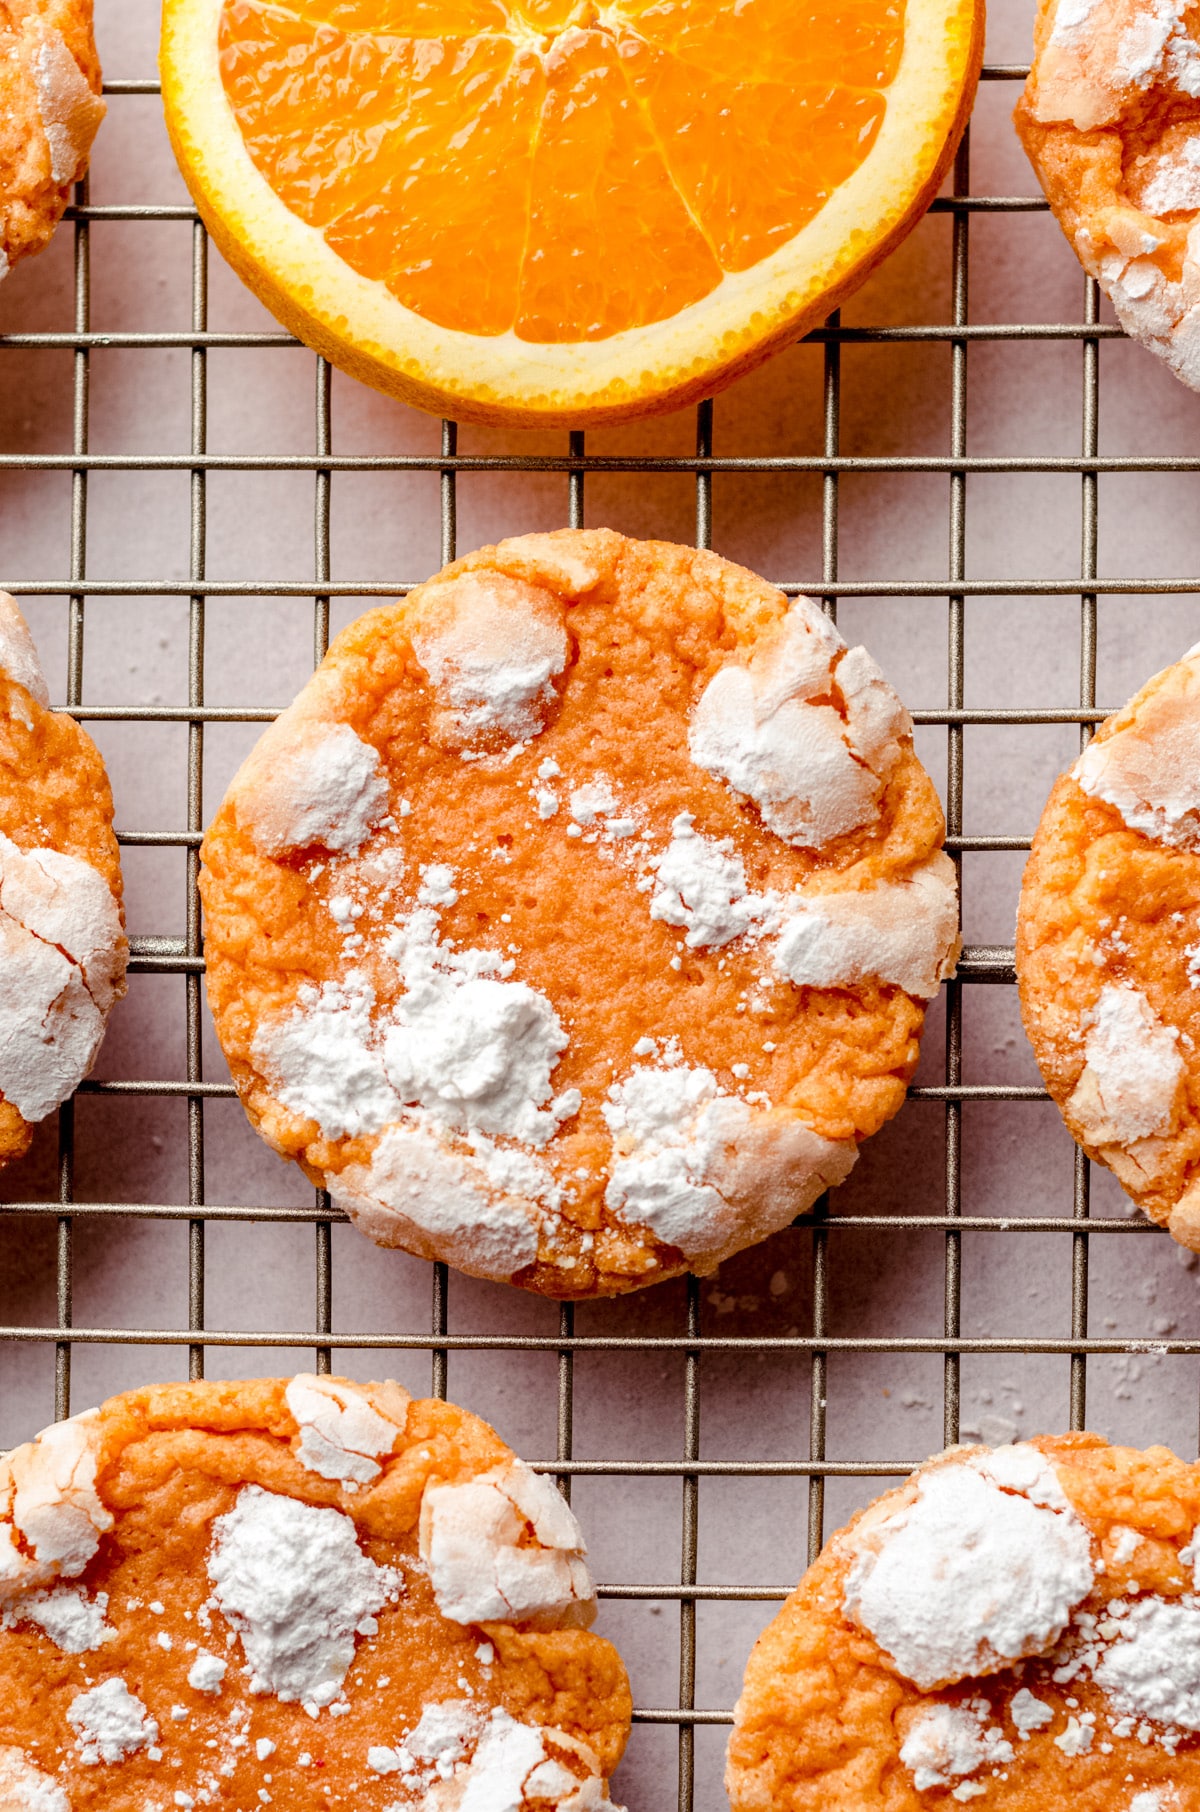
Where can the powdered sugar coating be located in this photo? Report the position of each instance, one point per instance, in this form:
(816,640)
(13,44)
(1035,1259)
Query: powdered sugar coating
(71,113)
(18,653)
(459,1756)
(1149,771)
(965,1577)
(1152,1667)
(474,1540)
(702,1170)
(48,1494)
(293,1582)
(946,1742)
(814,772)
(341,1435)
(75,1623)
(24,1788)
(491,646)
(112,1723)
(1125,73)
(423,1194)
(903,932)
(1130,1085)
(62,963)
(311,783)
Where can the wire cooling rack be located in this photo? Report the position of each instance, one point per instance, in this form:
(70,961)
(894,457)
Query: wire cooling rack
(682,1334)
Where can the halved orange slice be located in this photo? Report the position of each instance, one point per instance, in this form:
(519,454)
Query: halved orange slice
(561,211)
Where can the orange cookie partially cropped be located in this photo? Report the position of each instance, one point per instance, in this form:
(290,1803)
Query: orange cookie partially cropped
(50,111)
(305,1593)
(1110,118)
(1108,947)
(1018,1629)
(576,921)
(62,937)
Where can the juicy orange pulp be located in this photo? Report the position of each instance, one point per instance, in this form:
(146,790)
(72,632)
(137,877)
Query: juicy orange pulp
(560,169)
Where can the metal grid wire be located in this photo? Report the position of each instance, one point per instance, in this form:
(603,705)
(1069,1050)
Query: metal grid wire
(981,965)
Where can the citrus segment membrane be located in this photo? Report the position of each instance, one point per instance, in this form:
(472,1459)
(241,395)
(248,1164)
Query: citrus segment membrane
(560,170)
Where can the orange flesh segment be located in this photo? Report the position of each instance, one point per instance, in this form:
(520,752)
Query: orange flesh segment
(563,171)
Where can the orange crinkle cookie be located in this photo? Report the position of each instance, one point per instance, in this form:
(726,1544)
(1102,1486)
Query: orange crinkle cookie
(50,111)
(307,1593)
(62,939)
(1018,1627)
(1110,118)
(1108,947)
(576,921)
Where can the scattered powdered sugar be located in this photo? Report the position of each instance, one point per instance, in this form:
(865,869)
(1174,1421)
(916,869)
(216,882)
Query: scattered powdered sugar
(904,933)
(1029,1713)
(294,1583)
(1132,1073)
(701,883)
(771,730)
(18,655)
(491,646)
(1126,1545)
(75,1623)
(1154,1799)
(62,963)
(965,1577)
(1152,1667)
(473,1050)
(311,783)
(474,1540)
(322,1062)
(54,1506)
(1078,1736)
(470,1047)
(341,1435)
(24,1788)
(945,1742)
(702,1170)
(71,113)
(207,1672)
(111,1723)
(1150,771)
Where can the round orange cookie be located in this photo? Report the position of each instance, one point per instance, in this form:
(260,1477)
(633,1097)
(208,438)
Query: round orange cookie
(1110,118)
(575,923)
(305,1593)
(1108,947)
(62,938)
(50,109)
(1019,1628)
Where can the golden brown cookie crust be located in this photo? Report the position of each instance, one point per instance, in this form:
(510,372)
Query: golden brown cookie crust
(823,1710)
(169,1459)
(649,625)
(50,109)
(1107,907)
(1110,108)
